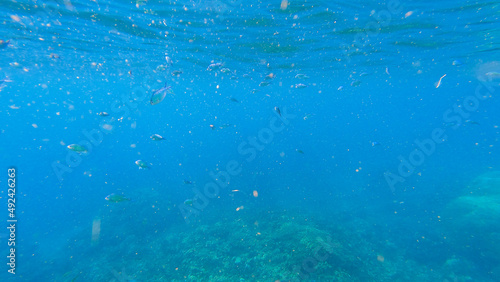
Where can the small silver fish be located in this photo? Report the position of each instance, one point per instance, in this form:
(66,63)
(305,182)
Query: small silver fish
(5,80)
(300,86)
(277,110)
(214,66)
(492,74)
(301,76)
(141,164)
(355,83)
(4,43)
(116,198)
(157,137)
(161,68)
(176,73)
(472,122)
(160,94)
(169,60)
(270,76)
(77,148)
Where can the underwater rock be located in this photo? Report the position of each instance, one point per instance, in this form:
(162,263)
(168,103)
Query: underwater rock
(471,220)
(479,206)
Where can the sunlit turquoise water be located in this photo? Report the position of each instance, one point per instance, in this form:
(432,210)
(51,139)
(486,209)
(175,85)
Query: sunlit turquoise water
(381,165)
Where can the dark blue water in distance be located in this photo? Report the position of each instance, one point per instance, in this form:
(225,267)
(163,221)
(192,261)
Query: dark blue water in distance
(381,165)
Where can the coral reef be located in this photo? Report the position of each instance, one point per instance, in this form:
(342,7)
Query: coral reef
(251,245)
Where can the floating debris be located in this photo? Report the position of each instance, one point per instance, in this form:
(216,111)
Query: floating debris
(284,4)
(439,82)
(307,116)
(375,143)
(157,137)
(340,88)
(103,114)
(457,63)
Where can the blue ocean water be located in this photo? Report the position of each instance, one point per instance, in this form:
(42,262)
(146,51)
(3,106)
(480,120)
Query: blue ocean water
(303,140)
